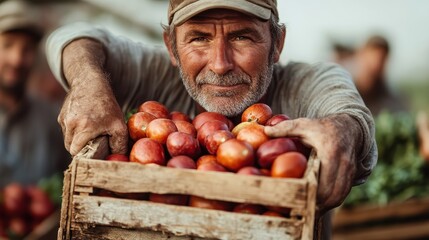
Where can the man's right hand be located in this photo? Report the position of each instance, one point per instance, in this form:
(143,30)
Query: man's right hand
(90,109)
(85,116)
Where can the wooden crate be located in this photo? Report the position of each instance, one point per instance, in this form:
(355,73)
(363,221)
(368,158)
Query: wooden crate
(85,216)
(402,220)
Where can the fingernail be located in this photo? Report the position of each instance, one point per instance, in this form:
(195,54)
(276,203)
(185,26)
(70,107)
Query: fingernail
(268,129)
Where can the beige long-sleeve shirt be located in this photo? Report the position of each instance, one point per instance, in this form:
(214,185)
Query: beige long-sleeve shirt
(139,73)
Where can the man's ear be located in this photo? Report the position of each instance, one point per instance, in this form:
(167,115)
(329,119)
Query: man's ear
(169,46)
(279,45)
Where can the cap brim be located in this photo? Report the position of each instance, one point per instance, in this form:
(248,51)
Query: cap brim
(20,23)
(200,6)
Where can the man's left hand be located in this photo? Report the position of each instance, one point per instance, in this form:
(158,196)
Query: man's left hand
(337,142)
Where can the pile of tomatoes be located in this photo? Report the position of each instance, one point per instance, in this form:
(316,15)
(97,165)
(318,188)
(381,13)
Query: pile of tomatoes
(211,142)
(22,209)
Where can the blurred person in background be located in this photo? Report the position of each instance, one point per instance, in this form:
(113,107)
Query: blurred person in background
(369,74)
(371,82)
(30,139)
(42,84)
(343,55)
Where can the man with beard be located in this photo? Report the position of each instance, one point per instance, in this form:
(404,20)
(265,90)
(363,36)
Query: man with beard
(222,56)
(30,146)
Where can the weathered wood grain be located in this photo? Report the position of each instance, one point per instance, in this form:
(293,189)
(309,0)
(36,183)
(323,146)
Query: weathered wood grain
(358,215)
(312,177)
(95,149)
(83,232)
(181,221)
(402,231)
(65,206)
(134,177)
(83,189)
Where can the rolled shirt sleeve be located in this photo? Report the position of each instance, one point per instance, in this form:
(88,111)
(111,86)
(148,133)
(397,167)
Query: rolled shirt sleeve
(137,72)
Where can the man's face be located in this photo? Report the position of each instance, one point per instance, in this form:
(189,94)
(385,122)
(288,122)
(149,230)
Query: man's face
(371,63)
(374,60)
(17,53)
(224,58)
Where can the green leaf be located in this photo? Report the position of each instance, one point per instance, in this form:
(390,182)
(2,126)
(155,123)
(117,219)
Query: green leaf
(401,172)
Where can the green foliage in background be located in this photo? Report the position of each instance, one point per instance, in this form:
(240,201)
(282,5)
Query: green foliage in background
(54,187)
(416,93)
(401,173)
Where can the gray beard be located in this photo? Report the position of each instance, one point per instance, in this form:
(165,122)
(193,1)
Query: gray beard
(235,105)
(17,90)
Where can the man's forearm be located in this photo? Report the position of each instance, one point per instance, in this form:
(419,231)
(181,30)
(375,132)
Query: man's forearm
(84,59)
(90,109)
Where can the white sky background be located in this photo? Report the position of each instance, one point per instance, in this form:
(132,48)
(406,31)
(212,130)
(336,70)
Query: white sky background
(312,23)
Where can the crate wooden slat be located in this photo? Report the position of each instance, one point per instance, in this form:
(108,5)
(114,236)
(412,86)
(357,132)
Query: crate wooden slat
(85,215)
(213,185)
(399,220)
(114,233)
(412,230)
(363,214)
(402,231)
(180,220)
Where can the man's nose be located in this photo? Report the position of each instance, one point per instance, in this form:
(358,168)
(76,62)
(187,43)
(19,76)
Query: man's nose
(221,60)
(17,57)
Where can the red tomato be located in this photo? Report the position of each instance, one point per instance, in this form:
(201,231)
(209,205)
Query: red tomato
(289,165)
(155,108)
(235,154)
(118,157)
(147,151)
(258,112)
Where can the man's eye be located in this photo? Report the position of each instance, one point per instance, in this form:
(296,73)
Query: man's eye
(199,39)
(241,38)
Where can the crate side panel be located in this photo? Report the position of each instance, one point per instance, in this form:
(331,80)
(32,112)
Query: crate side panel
(133,177)
(181,221)
(65,205)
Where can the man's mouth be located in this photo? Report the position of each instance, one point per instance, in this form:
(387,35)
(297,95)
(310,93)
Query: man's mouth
(224,90)
(224,87)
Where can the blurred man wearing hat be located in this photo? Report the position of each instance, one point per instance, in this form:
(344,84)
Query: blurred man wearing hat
(28,132)
(222,56)
(370,77)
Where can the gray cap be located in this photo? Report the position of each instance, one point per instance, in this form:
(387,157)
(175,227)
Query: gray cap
(180,11)
(19,15)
